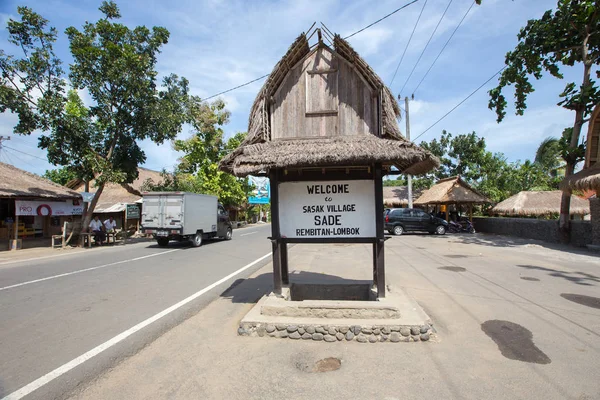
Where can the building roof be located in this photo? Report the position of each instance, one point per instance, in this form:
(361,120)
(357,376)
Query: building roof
(16,183)
(258,154)
(586,179)
(397,196)
(538,203)
(451,191)
(115,195)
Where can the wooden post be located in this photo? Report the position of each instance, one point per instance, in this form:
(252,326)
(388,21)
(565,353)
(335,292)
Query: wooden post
(16,226)
(471,212)
(275,233)
(379,260)
(374,265)
(285,277)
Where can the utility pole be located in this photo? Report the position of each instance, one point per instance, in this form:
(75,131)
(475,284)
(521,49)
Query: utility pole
(3,139)
(409,177)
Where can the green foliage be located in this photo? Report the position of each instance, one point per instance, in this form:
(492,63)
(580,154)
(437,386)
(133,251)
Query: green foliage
(399,181)
(60,175)
(565,37)
(32,86)
(466,155)
(198,170)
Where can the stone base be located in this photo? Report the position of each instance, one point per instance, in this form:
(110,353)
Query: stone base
(396,318)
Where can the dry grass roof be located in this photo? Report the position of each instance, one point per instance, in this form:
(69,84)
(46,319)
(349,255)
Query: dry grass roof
(540,203)
(586,179)
(259,154)
(397,196)
(16,183)
(323,152)
(451,191)
(125,193)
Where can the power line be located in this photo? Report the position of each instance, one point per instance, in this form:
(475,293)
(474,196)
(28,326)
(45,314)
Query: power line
(23,161)
(234,88)
(27,154)
(427,44)
(347,37)
(443,48)
(382,18)
(459,104)
(408,43)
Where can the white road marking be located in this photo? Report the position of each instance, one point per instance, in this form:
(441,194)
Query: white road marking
(11,261)
(250,233)
(86,270)
(38,383)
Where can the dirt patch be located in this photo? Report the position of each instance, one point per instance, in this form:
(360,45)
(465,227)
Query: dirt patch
(529,278)
(514,341)
(327,364)
(589,301)
(453,269)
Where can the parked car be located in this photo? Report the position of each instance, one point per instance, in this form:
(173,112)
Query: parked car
(400,220)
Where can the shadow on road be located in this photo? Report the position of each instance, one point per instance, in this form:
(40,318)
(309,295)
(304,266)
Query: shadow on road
(252,289)
(184,244)
(580,278)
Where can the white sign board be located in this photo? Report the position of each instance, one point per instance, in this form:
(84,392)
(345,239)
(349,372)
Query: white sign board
(37,207)
(327,209)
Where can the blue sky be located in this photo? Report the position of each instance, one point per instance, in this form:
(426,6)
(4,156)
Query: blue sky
(220,44)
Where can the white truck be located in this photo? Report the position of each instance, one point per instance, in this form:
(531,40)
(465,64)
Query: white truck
(184,216)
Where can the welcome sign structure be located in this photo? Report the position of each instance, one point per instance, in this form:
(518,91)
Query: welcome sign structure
(330,209)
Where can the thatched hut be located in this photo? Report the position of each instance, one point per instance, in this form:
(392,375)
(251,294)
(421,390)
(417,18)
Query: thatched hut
(588,179)
(32,206)
(324,106)
(453,191)
(324,115)
(397,196)
(538,204)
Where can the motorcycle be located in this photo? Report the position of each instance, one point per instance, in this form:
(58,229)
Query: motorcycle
(462,226)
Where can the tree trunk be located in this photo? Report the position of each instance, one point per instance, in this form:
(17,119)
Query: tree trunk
(87,215)
(565,203)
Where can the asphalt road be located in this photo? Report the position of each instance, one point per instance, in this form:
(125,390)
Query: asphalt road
(55,310)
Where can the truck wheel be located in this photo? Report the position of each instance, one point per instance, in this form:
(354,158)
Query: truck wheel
(162,242)
(229,234)
(197,240)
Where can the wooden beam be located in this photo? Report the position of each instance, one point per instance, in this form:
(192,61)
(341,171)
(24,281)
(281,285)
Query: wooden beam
(275,232)
(285,276)
(379,246)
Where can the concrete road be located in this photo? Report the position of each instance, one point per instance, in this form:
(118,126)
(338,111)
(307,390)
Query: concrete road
(514,320)
(55,310)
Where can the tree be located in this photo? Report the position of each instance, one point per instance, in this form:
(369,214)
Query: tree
(32,87)
(399,181)
(565,37)
(116,65)
(60,176)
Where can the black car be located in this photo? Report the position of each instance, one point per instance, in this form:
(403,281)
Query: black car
(400,220)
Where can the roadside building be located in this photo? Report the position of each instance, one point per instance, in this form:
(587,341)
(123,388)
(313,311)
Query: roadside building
(121,201)
(32,206)
(588,179)
(539,204)
(397,196)
(451,195)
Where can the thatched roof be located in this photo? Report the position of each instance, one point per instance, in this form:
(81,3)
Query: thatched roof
(538,204)
(125,193)
(586,179)
(346,151)
(397,196)
(592,149)
(16,183)
(451,191)
(259,154)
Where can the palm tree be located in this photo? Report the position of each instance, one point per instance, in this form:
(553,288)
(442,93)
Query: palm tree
(548,157)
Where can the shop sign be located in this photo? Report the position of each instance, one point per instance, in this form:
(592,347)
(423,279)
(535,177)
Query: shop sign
(46,208)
